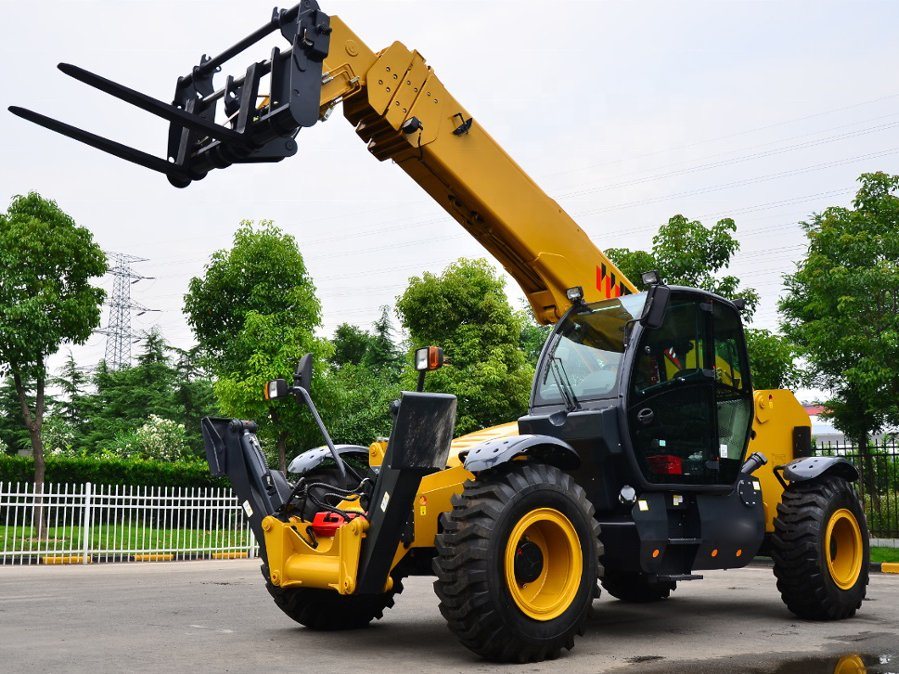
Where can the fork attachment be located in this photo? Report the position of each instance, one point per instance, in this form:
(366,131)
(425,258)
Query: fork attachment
(256,126)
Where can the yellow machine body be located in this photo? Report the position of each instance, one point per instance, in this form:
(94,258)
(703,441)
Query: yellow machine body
(541,247)
(334,563)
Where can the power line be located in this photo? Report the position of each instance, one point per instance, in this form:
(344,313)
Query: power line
(741,183)
(735,134)
(729,162)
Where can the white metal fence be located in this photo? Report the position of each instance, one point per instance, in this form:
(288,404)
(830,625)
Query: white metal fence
(84,523)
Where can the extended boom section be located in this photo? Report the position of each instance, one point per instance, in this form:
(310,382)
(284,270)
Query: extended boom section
(399,108)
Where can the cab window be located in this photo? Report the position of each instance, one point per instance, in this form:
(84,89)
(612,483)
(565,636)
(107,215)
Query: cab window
(690,403)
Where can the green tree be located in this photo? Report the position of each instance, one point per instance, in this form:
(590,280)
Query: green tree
(125,398)
(350,345)
(164,382)
(374,349)
(193,393)
(772,360)
(841,308)
(365,378)
(157,439)
(687,253)
(254,313)
(67,415)
(362,397)
(47,265)
(532,336)
(465,310)
(13,431)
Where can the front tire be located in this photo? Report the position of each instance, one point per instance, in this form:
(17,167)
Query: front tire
(820,549)
(517,563)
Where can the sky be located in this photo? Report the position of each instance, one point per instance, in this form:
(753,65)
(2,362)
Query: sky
(626,113)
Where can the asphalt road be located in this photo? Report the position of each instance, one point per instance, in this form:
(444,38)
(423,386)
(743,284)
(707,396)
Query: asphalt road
(217,616)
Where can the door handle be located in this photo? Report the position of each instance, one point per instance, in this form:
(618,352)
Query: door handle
(645,416)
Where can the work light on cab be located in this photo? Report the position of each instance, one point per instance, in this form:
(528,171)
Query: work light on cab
(575,294)
(651,278)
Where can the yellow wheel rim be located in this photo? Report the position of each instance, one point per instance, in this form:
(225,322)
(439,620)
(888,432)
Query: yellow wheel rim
(543,564)
(843,548)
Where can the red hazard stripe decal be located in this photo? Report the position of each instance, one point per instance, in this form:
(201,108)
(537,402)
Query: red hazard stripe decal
(609,284)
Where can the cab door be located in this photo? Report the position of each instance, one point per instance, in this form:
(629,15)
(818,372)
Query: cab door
(671,410)
(689,399)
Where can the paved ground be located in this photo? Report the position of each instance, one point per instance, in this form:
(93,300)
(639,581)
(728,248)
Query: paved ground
(216,616)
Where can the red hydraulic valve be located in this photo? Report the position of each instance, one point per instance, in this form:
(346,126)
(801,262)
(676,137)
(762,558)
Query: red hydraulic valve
(326,523)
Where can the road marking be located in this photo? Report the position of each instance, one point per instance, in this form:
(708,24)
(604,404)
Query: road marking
(29,597)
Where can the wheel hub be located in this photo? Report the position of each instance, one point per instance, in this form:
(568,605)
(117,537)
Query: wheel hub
(543,564)
(528,562)
(843,547)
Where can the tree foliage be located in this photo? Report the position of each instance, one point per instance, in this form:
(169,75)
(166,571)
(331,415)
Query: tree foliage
(841,306)
(532,336)
(125,399)
(685,252)
(365,378)
(254,313)
(157,439)
(465,310)
(772,360)
(373,349)
(13,431)
(47,267)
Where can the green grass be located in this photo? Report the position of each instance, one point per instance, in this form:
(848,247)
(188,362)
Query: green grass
(879,555)
(106,537)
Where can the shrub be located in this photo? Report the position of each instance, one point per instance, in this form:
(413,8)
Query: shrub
(79,469)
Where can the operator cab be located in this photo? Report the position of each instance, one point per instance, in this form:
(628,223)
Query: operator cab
(681,383)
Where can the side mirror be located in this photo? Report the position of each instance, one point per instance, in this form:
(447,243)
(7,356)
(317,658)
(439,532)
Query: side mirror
(655,307)
(303,375)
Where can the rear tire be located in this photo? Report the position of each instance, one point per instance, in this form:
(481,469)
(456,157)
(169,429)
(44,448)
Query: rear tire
(635,587)
(820,549)
(517,563)
(327,610)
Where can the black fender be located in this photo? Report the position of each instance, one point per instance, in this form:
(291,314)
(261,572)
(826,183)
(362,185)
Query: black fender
(811,467)
(545,448)
(310,459)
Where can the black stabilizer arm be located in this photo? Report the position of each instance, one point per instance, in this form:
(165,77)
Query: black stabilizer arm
(419,444)
(232,449)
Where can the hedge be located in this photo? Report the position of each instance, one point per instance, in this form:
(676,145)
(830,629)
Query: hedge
(77,470)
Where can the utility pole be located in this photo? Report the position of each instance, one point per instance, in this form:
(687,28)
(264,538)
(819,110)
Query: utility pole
(118,327)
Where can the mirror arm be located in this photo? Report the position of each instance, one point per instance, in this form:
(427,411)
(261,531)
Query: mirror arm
(299,390)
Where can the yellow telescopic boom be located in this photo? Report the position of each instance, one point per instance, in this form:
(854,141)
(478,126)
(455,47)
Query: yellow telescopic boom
(401,109)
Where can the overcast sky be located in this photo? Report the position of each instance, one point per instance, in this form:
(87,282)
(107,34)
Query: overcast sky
(625,112)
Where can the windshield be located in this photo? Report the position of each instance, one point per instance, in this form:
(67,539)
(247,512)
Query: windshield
(585,353)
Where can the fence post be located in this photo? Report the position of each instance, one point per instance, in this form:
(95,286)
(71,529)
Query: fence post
(86,523)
